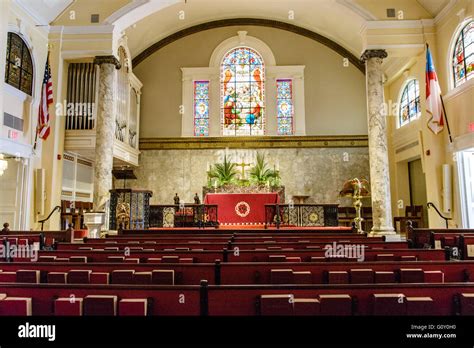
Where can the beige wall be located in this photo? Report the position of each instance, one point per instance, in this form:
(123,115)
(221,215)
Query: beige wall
(335,100)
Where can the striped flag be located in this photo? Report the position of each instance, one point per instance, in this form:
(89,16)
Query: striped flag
(45,102)
(434,104)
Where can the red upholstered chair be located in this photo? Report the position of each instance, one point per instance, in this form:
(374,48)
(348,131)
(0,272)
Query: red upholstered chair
(81,259)
(28,276)
(122,276)
(133,307)
(306,306)
(67,306)
(99,278)
(162,277)
(7,277)
(16,306)
(336,305)
(412,275)
(276,304)
(302,277)
(389,304)
(56,277)
(170,259)
(385,257)
(420,306)
(100,305)
(433,276)
(46,258)
(338,277)
(467,304)
(78,276)
(142,278)
(362,276)
(281,276)
(276,258)
(382,277)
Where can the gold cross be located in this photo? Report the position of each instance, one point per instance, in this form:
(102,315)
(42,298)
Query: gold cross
(243,165)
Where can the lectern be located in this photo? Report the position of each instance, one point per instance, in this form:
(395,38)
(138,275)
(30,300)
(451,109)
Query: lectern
(129,208)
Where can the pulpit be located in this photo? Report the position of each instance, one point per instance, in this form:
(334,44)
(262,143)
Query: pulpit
(129,209)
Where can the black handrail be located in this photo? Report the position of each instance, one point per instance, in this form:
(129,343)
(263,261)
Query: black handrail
(52,211)
(431,204)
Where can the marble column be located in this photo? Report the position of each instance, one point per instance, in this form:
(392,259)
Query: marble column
(378,150)
(105,130)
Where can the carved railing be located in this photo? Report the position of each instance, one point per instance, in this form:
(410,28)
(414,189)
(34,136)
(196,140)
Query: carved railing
(183,215)
(301,215)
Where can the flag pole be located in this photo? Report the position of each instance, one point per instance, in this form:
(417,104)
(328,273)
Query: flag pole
(446,119)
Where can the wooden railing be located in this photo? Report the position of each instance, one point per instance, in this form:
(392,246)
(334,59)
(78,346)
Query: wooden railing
(184,215)
(301,215)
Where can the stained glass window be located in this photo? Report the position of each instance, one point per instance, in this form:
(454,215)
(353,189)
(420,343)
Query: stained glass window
(18,65)
(285,106)
(463,57)
(242,93)
(410,102)
(201,108)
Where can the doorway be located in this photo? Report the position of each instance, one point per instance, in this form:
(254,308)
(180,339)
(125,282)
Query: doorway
(465,160)
(417,184)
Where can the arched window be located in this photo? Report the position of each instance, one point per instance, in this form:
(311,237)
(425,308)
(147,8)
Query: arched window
(19,67)
(242,92)
(463,56)
(409,103)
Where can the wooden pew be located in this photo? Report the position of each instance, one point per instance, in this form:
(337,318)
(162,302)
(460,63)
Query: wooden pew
(421,237)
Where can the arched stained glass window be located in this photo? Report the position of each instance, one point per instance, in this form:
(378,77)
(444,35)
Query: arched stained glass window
(19,66)
(285,106)
(201,108)
(409,103)
(463,56)
(242,93)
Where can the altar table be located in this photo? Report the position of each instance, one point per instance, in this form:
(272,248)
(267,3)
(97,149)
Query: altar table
(241,208)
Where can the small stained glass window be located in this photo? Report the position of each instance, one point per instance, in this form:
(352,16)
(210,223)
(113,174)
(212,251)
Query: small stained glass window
(285,106)
(463,56)
(409,103)
(18,65)
(201,108)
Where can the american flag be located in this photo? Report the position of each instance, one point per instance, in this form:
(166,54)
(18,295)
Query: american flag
(45,102)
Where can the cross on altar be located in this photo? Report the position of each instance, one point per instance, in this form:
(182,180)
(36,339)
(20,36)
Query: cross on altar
(243,165)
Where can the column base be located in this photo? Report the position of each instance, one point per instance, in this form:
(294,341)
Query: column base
(382,232)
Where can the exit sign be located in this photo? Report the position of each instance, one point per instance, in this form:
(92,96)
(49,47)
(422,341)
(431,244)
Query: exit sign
(12,134)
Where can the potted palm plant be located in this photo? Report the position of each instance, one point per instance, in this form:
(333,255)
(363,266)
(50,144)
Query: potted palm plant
(261,174)
(223,173)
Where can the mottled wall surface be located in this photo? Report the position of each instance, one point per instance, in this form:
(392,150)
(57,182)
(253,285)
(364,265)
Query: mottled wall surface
(316,172)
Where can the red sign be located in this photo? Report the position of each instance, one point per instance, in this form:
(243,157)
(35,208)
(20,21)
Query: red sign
(12,134)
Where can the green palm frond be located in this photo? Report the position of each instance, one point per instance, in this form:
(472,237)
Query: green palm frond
(260,174)
(224,173)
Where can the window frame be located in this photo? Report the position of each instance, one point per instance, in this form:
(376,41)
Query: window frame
(9,62)
(405,90)
(458,36)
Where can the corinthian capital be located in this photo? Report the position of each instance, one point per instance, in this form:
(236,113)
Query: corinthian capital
(373,54)
(99,60)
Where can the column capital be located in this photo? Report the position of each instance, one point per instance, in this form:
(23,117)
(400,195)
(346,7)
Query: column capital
(99,60)
(380,53)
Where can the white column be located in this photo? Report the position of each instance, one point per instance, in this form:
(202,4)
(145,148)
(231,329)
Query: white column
(378,150)
(105,127)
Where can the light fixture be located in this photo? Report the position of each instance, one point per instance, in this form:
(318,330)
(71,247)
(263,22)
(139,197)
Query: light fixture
(3,164)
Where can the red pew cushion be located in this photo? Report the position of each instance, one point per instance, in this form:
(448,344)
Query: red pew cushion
(281,276)
(302,277)
(79,276)
(142,278)
(7,277)
(384,277)
(362,276)
(100,305)
(27,276)
(16,306)
(99,278)
(338,304)
(162,277)
(433,276)
(338,277)
(411,275)
(276,304)
(66,306)
(133,307)
(56,277)
(122,276)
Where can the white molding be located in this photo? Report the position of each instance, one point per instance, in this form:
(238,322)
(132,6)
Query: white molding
(13,148)
(82,30)
(452,43)
(124,10)
(462,143)
(445,11)
(459,90)
(400,24)
(16,92)
(362,12)
(252,42)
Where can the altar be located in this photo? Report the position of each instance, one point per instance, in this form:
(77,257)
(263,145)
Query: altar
(241,208)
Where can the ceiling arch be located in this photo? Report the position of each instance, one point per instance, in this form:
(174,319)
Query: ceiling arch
(255,22)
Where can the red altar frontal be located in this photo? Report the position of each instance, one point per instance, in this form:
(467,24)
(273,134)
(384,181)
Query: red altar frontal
(241,208)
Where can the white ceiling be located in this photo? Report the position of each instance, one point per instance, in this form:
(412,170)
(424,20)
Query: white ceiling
(44,11)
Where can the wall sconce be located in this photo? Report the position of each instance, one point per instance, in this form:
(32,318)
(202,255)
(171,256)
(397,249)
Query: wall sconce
(3,164)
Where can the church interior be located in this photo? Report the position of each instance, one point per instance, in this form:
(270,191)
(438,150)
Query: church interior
(237,158)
